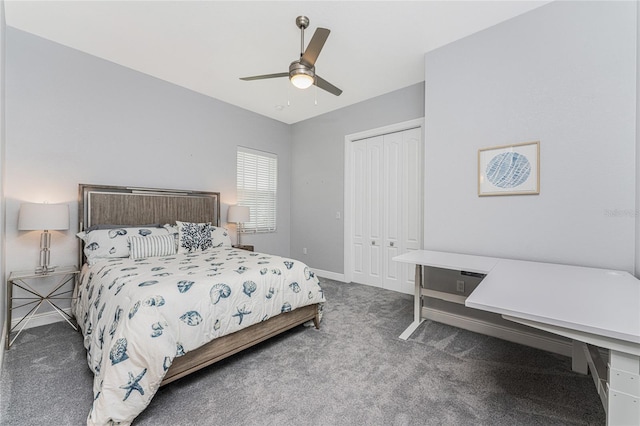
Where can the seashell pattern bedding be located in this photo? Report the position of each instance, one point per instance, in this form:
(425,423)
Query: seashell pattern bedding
(138,315)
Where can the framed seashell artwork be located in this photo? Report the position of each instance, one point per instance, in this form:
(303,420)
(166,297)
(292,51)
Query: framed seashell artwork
(509,169)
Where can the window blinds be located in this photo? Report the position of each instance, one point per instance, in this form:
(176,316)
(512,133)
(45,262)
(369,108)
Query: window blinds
(257,182)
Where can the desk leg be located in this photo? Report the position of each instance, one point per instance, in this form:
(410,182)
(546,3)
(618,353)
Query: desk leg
(579,358)
(417,306)
(623,406)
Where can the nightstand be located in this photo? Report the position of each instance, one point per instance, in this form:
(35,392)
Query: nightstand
(64,274)
(244,247)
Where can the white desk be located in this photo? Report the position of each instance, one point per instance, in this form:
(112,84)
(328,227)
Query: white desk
(438,259)
(589,305)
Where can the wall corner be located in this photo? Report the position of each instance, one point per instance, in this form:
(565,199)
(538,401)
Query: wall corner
(637,212)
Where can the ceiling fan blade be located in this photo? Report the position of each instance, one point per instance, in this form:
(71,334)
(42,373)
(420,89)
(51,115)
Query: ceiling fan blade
(265,76)
(325,85)
(315,46)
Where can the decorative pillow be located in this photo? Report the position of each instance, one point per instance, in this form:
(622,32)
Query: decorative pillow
(151,246)
(193,236)
(110,243)
(220,237)
(172,229)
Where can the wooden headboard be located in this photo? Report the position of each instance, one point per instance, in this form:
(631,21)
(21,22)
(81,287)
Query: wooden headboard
(119,205)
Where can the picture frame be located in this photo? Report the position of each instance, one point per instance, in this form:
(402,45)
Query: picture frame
(509,169)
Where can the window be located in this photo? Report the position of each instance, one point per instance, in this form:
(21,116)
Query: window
(257,183)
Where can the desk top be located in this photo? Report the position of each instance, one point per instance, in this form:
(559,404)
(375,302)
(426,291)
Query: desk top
(590,300)
(596,301)
(455,261)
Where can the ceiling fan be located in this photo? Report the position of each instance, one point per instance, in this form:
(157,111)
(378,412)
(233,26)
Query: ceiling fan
(302,72)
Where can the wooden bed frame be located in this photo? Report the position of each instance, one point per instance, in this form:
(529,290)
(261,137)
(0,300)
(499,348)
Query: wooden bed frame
(117,205)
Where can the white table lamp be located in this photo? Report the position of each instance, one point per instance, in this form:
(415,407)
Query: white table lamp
(44,217)
(238,215)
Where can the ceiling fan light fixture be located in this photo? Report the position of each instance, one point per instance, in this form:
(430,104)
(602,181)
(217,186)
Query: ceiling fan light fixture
(301,81)
(300,75)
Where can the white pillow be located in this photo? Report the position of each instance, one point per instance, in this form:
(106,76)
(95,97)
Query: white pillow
(193,237)
(172,229)
(151,246)
(220,237)
(110,243)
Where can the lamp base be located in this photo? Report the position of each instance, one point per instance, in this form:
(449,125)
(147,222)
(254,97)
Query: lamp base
(45,254)
(43,270)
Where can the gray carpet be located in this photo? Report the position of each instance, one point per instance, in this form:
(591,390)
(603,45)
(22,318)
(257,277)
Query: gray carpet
(353,371)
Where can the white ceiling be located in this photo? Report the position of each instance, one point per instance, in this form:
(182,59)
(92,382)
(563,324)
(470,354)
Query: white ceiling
(374,47)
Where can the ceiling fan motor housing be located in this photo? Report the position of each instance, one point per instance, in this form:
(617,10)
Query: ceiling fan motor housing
(301,75)
(297,68)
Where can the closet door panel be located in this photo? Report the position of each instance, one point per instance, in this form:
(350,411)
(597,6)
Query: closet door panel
(411,201)
(392,200)
(374,208)
(359,243)
(412,189)
(392,191)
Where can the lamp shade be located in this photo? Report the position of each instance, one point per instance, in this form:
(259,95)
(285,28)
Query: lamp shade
(37,216)
(238,214)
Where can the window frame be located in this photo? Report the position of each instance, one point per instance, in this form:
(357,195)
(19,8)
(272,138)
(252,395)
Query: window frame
(257,188)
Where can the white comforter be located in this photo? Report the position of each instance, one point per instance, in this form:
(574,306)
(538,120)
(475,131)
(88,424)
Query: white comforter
(138,315)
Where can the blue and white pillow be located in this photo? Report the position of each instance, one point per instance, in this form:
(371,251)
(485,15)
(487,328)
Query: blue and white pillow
(193,237)
(219,235)
(151,246)
(110,243)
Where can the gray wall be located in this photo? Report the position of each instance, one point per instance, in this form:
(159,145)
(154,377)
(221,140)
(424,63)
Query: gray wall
(637,141)
(3,305)
(563,74)
(73,118)
(317,178)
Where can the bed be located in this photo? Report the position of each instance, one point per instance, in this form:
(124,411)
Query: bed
(150,316)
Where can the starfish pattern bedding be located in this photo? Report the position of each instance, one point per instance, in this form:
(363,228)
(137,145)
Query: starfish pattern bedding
(138,315)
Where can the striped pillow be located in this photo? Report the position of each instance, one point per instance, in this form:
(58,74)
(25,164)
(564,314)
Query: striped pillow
(151,245)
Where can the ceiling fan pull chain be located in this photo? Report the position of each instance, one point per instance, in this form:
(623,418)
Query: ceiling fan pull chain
(316,94)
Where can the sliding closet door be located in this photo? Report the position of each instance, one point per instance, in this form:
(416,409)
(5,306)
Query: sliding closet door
(357,195)
(374,209)
(367,155)
(386,199)
(392,201)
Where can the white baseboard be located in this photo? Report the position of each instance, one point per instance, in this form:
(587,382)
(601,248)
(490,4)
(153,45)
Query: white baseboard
(330,275)
(550,344)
